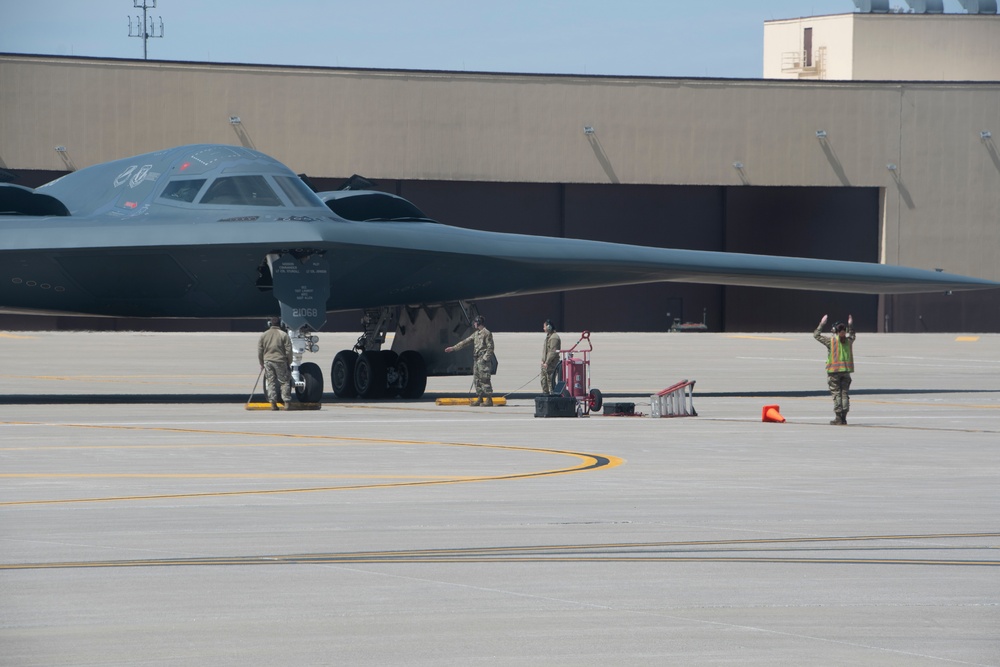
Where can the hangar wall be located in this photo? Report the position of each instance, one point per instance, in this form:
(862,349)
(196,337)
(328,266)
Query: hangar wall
(938,206)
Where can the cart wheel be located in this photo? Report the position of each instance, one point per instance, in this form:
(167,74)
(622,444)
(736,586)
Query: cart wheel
(596,400)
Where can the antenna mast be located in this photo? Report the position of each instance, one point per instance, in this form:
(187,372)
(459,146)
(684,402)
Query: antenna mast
(146,28)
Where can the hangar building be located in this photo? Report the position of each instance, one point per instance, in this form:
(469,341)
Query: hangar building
(810,162)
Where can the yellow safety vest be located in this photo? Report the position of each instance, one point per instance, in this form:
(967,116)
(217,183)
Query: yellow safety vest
(841,357)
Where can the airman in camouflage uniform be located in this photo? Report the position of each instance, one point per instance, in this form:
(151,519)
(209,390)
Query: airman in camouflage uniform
(839,365)
(274,352)
(482,359)
(550,358)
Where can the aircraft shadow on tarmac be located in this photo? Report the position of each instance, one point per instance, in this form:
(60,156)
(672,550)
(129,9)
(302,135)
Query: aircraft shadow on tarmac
(429,397)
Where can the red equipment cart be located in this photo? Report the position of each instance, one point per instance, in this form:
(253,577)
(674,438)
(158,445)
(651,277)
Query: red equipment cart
(576,377)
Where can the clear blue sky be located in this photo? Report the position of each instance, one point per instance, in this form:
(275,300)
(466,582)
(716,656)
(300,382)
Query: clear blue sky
(687,38)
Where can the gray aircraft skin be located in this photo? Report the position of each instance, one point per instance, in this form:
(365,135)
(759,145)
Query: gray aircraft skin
(222,231)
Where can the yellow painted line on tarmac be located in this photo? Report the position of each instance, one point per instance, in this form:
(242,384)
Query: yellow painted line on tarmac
(118,378)
(747,337)
(17,336)
(211,475)
(197,381)
(967,339)
(682,552)
(586,462)
(199,431)
(346,560)
(881,401)
(923,404)
(196,445)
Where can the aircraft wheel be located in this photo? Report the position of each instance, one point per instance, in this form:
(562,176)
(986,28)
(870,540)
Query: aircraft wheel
(596,400)
(313,391)
(369,375)
(389,360)
(412,374)
(342,374)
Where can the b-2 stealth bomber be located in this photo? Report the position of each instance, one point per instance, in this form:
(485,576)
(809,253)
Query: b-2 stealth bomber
(222,231)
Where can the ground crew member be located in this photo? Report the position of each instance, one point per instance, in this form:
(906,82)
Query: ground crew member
(482,359)
(839,365)
(550,358)
(274,352)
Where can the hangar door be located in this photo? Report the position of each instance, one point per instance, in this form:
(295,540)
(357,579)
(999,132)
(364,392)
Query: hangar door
(824,223)
(828,223)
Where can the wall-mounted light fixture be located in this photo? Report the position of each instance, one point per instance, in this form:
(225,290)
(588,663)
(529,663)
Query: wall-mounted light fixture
(64,156)
(985,134)
(821,134)
(588,129)
(737,165)
(891,166)
(234,120)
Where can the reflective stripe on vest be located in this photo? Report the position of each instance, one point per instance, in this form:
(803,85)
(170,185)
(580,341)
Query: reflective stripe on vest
(841,357)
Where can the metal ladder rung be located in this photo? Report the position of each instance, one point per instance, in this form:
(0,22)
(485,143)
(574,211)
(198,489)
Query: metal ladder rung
(675,401)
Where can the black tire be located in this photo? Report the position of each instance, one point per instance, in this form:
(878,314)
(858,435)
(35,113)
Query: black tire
(389,360)
(412,374)
(369,375)
(313,377)
(596,400)
(342,374)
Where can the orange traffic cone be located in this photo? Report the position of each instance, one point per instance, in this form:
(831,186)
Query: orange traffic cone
(770,414)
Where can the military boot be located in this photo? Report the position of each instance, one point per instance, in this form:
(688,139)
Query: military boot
(489,401)
(274,406)
(843,418)
(476,403)
(839,421)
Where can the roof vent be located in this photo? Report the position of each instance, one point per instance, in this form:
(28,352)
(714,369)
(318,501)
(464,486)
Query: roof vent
(979,6)
(872,6)
(926,6)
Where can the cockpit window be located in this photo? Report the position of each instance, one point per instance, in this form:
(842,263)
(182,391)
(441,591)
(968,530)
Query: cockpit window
(182,190)
(241,190)
(375,207)
(298,192)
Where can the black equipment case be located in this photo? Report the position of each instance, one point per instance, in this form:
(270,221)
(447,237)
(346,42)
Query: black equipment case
(555,406)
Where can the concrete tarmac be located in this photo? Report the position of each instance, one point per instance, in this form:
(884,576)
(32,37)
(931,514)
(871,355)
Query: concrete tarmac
(147,518)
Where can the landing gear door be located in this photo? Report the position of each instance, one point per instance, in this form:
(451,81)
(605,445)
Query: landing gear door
(302,287)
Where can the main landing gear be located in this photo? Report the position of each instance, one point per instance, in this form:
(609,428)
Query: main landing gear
(367,371)
(421,334)
(378,374)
